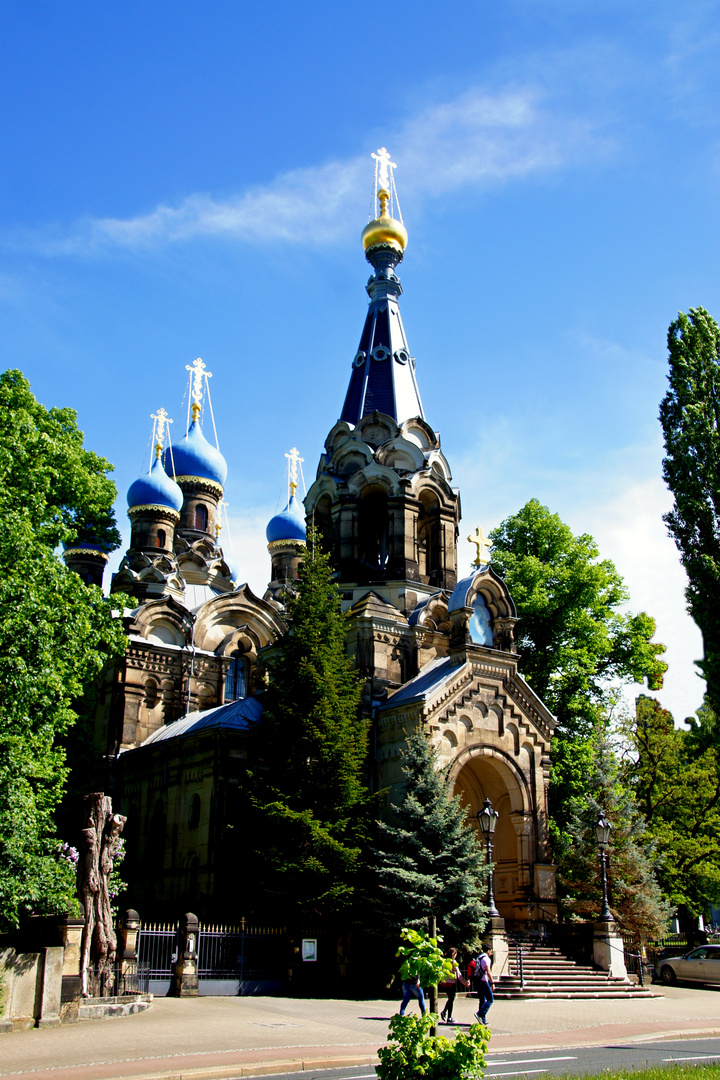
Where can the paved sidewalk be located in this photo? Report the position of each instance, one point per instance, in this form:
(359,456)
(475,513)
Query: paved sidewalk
(216,1038)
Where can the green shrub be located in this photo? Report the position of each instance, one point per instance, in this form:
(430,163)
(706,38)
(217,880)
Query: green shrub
(414,1053)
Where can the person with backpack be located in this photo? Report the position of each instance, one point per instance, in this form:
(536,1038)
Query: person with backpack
(484,983)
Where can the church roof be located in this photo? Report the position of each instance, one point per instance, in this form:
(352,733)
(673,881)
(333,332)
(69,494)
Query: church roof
(370,605)
(155,488)
(383,373)
(289,524)
(426,683)
(235,716)
(193,455)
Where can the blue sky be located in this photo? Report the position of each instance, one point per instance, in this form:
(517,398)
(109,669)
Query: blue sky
(184,179)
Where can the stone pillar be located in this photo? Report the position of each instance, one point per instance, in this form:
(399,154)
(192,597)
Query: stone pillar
(609,950)
(127,942)
(51,987)
(71,929)
(496,937)
(186,977)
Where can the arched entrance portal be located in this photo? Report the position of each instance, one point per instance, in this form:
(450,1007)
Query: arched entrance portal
(481,773)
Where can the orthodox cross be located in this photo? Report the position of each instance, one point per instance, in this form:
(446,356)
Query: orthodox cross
(159,419)
(294,459)
(382,164)
(197,368)
(482,545)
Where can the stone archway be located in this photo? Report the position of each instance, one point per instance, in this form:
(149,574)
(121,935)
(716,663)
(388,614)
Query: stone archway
(482,772)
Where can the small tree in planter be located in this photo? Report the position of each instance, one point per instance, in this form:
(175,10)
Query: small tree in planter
(414,1053)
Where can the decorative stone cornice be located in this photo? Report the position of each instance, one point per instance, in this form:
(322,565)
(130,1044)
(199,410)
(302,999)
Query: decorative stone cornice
(202,483)
(163,511)
(278,545)
(86,552)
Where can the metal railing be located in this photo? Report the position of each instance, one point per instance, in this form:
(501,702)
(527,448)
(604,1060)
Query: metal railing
(118,980)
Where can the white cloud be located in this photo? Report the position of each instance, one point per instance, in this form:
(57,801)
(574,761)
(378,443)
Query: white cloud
(477,140)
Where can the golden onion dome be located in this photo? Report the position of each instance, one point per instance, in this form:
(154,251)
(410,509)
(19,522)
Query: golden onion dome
(385,229)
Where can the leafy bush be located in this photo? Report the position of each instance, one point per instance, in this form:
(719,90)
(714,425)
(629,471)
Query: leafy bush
(413,1052)
(423,957)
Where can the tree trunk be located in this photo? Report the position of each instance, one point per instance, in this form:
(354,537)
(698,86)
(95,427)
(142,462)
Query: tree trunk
(433,989)
(100,841)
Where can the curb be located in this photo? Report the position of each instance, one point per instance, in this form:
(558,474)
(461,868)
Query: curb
(316,1064)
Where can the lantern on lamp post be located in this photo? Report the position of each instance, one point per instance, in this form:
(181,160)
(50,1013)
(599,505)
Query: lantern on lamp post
(487,819)
(602,835)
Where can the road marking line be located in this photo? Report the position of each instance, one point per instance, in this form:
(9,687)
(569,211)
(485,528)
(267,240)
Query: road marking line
(530,1061)
(523,1072)
(703,1057)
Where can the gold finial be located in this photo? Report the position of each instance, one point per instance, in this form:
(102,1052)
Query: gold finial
(294,459)
(482,545)
(159,419)
(199,373)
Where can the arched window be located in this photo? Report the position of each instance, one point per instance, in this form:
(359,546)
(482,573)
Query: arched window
(373,533)
(194,815)
(237,678)
(161,537)
(480,625)
(201,518)
(430,555)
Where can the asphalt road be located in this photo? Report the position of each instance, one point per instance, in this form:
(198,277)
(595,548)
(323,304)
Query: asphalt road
(563,1062)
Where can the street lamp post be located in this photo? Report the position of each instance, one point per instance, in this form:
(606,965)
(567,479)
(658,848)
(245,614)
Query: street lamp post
(487,819)
(602,833)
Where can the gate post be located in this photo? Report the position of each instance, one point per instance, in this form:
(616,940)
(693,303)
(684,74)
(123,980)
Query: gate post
(186,976)
(127,943)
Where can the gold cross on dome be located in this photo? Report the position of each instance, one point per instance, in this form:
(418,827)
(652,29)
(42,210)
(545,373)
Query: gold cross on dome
(199,372)
(294,459)
(482,545)
(160,419)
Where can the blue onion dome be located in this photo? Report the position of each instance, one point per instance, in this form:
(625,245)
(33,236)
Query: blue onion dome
(194,456)
(289,524)
(232,567)
(155,488)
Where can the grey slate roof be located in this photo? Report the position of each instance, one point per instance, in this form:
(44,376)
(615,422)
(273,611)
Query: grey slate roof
(235,716)
(430,679)
(383,374)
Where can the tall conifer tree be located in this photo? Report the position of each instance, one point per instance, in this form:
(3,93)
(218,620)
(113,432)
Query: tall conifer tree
(428,860)
(309,753)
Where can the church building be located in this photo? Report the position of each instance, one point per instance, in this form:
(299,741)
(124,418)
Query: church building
(436,646)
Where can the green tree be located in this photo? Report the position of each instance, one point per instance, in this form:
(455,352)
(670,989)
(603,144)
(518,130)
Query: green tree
(427,858)
(636,899)
(676,775)
(309,753)
(690,418)
(575,639)
(55,635)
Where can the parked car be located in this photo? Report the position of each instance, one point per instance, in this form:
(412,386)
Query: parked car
(698,965)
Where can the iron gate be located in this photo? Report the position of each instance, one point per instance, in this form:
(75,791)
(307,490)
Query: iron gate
(157,951)
(232,960)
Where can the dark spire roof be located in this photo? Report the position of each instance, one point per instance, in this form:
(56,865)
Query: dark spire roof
(383,375)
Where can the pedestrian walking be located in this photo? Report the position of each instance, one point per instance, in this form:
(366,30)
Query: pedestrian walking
(412,989)
(484,983)
(450,988)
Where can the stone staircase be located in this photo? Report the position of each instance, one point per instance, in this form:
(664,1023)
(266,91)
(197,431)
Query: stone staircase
(547,973)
